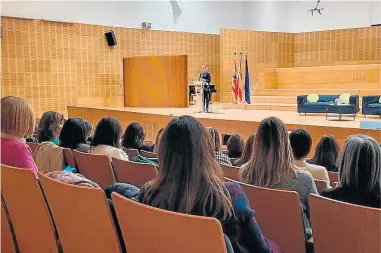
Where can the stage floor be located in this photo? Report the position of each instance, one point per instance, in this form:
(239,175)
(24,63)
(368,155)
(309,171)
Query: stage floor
(228,121)
(287,117)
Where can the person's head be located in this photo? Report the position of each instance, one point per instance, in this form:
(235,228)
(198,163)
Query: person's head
(247,151)
(89,128)
(73,133)
(235,146)
(301,142)
(134,136)
(360,164)
(203,69)
(272,161)
(108,132)
(49,126)
(189,176)
(326,152)
(215,138)
(17,117)
(157,142)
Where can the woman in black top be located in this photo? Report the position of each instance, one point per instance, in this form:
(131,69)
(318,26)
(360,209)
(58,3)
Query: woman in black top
(134,136)
(359,165)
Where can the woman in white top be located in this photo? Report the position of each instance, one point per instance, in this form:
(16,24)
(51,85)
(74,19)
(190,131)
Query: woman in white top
(106,140)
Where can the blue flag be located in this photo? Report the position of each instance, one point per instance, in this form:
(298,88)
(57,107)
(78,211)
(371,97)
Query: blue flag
(247,83)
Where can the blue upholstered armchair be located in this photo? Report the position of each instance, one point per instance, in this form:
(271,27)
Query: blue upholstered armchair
(324,100)
(371,105)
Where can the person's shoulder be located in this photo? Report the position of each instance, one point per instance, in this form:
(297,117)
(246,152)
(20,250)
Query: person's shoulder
(334,193)
(303,174)
(316,167)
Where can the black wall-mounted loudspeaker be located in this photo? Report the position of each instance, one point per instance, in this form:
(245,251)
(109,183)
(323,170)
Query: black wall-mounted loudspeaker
(110,37)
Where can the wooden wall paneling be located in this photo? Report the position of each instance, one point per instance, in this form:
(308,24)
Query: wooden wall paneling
(156,81)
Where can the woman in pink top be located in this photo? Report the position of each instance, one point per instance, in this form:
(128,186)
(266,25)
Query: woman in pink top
(17,120)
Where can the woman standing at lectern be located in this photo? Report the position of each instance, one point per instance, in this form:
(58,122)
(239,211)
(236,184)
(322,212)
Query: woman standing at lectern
(205,78)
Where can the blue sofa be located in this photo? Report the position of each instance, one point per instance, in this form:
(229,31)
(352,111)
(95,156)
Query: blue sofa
(324,100)
(371,105)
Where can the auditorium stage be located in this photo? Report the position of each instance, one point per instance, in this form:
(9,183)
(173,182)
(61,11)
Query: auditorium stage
(228,121)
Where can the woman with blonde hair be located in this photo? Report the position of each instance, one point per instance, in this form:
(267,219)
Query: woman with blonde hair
(17,120)
(190,181)
(360,171)
(272,164)
(221,157)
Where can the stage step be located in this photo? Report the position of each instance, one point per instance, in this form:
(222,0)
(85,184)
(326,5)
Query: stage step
(297,92)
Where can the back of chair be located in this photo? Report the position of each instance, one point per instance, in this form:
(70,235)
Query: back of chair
(230,171)
(82,217)
(69,158)
(131,152)
(148,154)
(344,228)
(279,216)
(28,211)
(97,168)
(33,146)
(146,229)
(321,185)
(133,173)
(7,244)
(333,177)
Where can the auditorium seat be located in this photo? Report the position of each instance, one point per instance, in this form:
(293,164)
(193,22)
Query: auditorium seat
(344,228)
(28,211)
(33,146)
(333,177)
(148,154)
(147,229)
(69,158)
(133,173)
(230,171)
(7,244)
(279,215)
(82,217)
(131,152)
(321,185)
(97,168)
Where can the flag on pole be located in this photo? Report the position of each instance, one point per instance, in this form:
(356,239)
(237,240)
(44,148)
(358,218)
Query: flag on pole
(247,82)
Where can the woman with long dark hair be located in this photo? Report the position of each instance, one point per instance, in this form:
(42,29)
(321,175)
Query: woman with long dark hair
(106,140)
(190,181)
(74,134)
(326,153)
(134,136)
(247,151)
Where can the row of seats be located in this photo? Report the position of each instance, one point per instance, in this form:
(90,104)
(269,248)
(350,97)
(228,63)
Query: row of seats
(83,221)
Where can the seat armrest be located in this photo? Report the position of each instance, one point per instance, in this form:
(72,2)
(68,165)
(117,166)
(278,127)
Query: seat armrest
(354,100)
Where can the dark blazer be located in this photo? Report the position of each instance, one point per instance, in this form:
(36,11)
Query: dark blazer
(353,196)
(242,228)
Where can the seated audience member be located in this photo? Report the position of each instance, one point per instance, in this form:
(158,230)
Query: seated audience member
(221,157)
(134,136)
(157,142)
(17,120)
(190,181)
(235,146)
(247,152)
(49,127)
(359,165)
(73,135)
(89,132)
(301,143)
(272,165)
(326,153)
(106,140)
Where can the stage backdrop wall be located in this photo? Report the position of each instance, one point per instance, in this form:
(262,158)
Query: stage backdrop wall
(268,50)
(55,64)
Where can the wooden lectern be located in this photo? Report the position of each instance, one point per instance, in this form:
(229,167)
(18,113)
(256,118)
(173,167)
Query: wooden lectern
(199,92)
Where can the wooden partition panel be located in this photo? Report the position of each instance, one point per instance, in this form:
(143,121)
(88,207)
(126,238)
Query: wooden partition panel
(155,81)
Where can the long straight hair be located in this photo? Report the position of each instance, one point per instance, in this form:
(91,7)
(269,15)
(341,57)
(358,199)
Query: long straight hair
(189,180)
(272,161)
(215,138)
(360,164)
(107,132)
(326,152)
